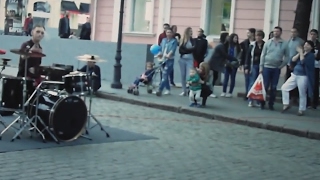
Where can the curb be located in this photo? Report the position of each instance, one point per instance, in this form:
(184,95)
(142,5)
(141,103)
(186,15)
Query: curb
(291,131)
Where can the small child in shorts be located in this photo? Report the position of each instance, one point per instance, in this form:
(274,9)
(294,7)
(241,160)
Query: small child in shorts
(145,77)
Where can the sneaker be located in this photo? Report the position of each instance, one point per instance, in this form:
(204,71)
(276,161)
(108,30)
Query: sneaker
(213,96)
(192,104)
(183,94)
(223,95)
(228,95)
(166,92)
(250,104)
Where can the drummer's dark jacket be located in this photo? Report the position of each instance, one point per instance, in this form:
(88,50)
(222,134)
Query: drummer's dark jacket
(96,79)
(32,62)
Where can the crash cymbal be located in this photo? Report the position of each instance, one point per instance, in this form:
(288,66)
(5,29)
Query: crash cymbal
(90,58)
(2,51)
(28,54)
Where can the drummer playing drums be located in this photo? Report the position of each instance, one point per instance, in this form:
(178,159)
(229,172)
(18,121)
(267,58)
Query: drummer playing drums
(94,71)
(33,63)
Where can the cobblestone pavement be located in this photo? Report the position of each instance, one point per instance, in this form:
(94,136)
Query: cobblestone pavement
(187,148)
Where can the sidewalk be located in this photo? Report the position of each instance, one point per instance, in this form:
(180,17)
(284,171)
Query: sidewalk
(233,110)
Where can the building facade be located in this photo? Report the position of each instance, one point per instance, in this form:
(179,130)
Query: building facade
(44,12)
(143,19)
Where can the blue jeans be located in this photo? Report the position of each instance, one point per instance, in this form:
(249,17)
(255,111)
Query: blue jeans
(167,69)
(254,73)
(271,79)
(247,82)
(229,73)
(185,65)
(171,75)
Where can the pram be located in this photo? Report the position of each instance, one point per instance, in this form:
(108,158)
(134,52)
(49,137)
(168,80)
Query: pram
(149,84)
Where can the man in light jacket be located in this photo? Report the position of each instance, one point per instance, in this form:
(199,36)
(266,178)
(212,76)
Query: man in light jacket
(274,57)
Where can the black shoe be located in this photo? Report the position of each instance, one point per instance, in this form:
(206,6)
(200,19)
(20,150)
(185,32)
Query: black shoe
(271,108)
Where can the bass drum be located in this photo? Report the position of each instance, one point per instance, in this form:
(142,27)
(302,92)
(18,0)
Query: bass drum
(66,116)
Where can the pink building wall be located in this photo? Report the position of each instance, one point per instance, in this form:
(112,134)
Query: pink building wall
(248,14)
(185,15)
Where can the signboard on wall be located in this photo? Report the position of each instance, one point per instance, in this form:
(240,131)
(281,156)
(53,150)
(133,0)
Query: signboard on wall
(14,11)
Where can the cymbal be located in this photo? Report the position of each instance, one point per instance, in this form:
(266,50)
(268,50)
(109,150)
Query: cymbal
(90,58)
(2,51)
(5,59)
(28,54)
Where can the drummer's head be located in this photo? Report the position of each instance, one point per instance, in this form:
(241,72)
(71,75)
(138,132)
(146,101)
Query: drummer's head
(37,33)
(91,64)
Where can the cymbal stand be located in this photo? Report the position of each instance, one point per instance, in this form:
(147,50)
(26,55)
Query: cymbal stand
(1,118)
(90,115)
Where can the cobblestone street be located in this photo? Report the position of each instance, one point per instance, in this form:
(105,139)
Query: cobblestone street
(187,148)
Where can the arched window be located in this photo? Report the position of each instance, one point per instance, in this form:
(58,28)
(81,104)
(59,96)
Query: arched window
(42,7)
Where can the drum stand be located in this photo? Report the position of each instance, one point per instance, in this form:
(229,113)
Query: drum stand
(90,115)
(1,118)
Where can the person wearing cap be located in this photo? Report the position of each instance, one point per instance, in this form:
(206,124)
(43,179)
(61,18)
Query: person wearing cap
(94,70)
(314,102)
(302,77)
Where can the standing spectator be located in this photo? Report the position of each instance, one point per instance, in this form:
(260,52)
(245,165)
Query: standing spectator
(301,77)
(168,49)
(28,25)
(274,57)
(86,30)
(293,43)
(177,36)
(186,57)
(251,65)
(245,46)
(163,34)
(64,26)
(232,47)
(200,48)
(218,59)
(314,102)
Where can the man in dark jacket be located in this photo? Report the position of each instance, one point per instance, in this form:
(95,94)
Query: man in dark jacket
(314,102)
(86,30)
(245,47)
(201,47)
(64,26)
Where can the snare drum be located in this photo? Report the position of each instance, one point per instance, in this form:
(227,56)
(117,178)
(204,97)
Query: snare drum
(76,83)
(12,92)
(66,116)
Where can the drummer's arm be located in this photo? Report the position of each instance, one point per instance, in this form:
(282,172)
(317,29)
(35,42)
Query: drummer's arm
(83,69)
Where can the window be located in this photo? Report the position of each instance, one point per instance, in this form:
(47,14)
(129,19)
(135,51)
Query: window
(218,16)
(42,7)
(141,16)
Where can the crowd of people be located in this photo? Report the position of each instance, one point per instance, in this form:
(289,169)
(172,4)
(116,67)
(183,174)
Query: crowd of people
(254,55)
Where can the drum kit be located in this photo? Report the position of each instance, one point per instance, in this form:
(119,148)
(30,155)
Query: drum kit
(55,109)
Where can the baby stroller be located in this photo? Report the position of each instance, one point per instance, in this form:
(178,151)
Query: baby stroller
(149,84)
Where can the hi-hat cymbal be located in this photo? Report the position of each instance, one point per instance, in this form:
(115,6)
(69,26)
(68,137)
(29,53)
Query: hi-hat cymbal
(2,52)
(28,54)
(5,59)
(90,58)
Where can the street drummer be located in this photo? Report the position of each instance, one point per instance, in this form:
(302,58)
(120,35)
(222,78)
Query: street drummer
(94,71)
(33,64)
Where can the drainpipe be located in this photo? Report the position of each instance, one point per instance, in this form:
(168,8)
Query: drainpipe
(94,20)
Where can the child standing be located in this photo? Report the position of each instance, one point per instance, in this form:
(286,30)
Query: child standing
(194,82)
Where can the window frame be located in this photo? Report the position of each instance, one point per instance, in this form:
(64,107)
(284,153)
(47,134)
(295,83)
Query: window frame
(129,21)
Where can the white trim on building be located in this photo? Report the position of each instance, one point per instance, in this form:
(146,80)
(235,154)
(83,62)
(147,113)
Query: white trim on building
(232,16)
(115,21)
(164,15)
(314,17)
(271,16)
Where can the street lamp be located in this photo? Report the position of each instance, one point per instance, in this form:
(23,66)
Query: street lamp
(116,84)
